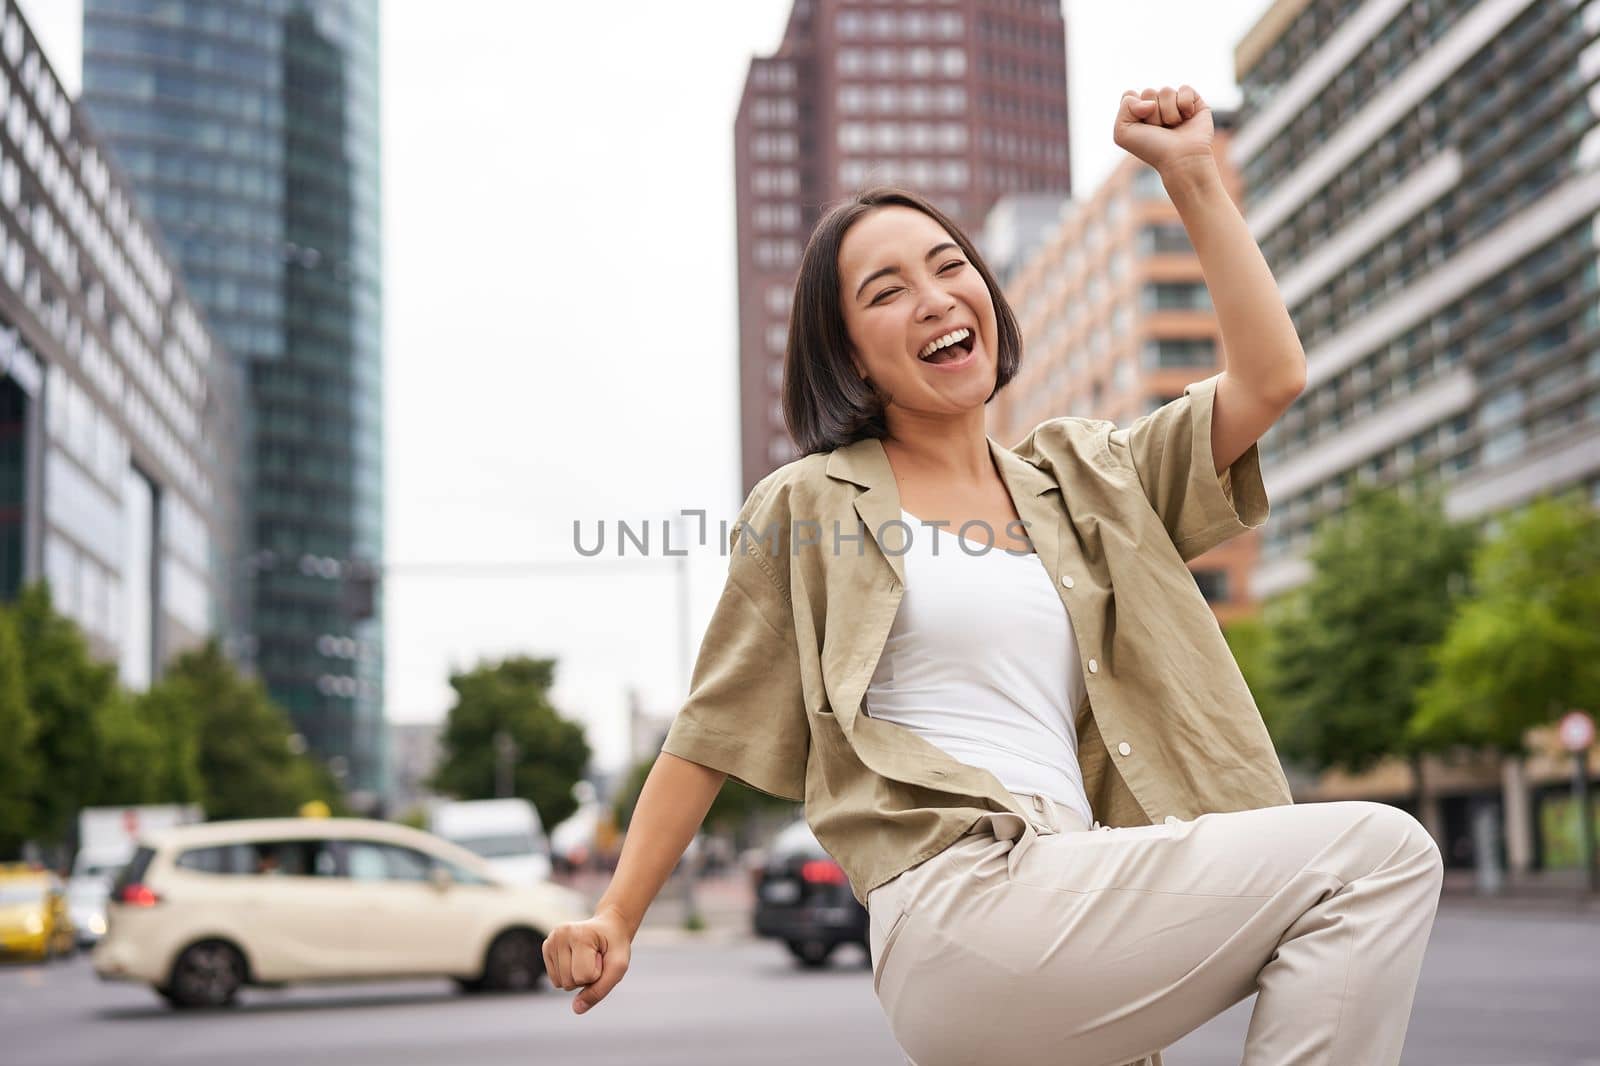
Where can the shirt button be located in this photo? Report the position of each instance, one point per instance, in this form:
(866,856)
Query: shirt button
(1094,667)
(1066,579)
(1124,748)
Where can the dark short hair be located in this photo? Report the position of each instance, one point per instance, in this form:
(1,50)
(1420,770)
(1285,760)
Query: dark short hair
(825,404)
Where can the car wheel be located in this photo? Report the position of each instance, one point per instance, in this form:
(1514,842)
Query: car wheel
(513,963)
(812,954)
(207,974)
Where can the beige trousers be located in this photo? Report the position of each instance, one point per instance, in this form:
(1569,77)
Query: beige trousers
(1047,941)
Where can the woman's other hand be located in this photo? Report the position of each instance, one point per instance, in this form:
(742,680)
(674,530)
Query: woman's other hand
(1167,128)
(591,955)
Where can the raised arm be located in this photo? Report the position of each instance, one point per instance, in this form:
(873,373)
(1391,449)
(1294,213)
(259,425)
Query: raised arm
(1265,365)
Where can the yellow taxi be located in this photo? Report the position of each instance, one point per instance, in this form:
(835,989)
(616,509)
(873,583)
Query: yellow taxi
(34,921)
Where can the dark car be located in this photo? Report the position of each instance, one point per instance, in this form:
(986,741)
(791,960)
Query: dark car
(803,899)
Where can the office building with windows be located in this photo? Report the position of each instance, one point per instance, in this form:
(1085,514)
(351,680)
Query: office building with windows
(963,101)
(1116,321)
(115,401)
(1423,177)
(250,132)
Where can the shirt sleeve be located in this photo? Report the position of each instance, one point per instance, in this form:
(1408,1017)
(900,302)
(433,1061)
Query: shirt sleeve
(1170,449)
(745,713)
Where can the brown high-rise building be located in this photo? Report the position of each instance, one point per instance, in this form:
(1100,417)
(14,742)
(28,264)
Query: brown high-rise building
(964,101)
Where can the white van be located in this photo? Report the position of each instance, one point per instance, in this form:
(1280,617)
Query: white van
(506,833)
(201,910)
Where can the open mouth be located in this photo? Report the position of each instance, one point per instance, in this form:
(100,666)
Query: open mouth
(950,348)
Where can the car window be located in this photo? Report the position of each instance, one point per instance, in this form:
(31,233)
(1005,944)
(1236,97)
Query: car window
(285,858)
(370,861)
(461,875)
(499,845)
(21,891)
(134,871)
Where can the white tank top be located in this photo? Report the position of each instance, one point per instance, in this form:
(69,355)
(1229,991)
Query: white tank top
(982,663)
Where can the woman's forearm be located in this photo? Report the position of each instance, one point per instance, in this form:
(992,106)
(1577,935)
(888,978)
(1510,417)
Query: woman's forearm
(674,801)
(1263,349)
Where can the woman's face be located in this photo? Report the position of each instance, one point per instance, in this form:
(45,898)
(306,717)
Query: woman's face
(907,289)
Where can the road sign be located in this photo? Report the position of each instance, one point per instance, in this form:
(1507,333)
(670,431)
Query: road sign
(1577,731)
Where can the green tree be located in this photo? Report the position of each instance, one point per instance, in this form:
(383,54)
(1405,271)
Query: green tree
(1351,649)
(1525,647)
(241,740)
(511,697)
(67,691)
(130,751)
(733,804)
(18,759)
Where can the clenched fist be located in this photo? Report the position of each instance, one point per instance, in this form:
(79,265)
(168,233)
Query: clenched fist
(1167,128)
(591,955)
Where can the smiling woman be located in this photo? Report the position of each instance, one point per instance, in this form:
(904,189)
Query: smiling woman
(866,319)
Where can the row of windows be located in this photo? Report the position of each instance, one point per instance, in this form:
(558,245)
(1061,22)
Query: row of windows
(776,216)
(1175,296)
(1470,102)
(1009,145)
(1411,33)
(1046,108)
(914,99)
(776,110)
(1440,453)
(909,24)
(84,590)
(920,173)
(777,253)
(1520,314)
(766,74)
(895,136)
(1178,353)
(780,182)
(1009,69)
(774,146)
(894,62)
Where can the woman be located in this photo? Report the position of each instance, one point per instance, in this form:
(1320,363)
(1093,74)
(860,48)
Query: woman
(1030,751)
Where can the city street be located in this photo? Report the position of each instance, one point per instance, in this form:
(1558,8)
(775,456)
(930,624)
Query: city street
(1501,987)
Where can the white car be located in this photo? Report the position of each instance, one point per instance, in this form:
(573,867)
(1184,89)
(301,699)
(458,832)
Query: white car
(203,909)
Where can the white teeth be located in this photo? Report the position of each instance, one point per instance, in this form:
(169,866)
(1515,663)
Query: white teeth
(944,342)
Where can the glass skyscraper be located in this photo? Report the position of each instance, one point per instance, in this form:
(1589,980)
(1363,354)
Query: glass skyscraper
(250,130)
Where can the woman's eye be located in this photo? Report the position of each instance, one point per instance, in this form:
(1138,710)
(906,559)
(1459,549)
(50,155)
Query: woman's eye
(952,263)
(886,292)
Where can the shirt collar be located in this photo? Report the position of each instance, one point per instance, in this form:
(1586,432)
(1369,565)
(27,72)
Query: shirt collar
(864,463)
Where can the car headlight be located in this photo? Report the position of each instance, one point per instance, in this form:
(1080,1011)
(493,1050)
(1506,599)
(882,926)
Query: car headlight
(97,924)
(33,924)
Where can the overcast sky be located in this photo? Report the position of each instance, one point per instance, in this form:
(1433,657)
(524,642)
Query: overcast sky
(560,315)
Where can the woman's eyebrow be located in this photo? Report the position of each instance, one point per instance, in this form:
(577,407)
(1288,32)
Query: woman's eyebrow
(882,271)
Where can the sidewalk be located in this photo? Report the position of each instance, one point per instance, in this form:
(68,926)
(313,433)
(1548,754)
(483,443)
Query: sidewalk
(1549,891)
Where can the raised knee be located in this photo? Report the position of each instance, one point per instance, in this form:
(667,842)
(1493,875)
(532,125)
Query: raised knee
(1409,838)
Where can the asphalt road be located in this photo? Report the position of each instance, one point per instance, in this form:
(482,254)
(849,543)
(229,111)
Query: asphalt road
(1499,988)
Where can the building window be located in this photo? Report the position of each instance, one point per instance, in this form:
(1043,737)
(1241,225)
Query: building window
(1147,184)
(778,297)
(1175,296)
(852,99)
(953,62)
(777,337)
(1164,237)
(1179,353)
(1213,584)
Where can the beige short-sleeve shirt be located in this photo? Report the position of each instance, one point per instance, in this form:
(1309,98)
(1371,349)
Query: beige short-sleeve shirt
(1167,726)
